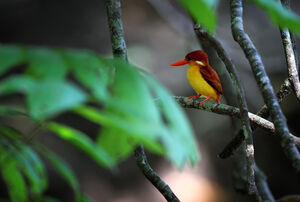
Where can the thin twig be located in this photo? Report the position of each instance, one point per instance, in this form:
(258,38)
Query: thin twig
(113,8)
(236,142)
(290,56)
(151,175)
(263,81)
(224,109)
(216,44)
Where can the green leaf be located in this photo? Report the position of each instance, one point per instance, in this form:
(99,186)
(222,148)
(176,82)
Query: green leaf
(27,160)
(83,142)
(117,144)
(203,12)
(62,168)
(138,132)
(90,71)
(53,96)
(11,110)
(10,56)
(46,63)
(17,84)
(279,15)
(178,135)
(13,178)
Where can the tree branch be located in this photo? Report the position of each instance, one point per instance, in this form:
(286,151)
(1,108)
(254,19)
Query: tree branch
(290,56)
(216,44)
(224,109)
(262,79)
(237,141)
(150,174)
(262,185)
(113,8)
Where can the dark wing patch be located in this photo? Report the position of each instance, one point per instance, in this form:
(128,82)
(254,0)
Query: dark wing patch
(211,77)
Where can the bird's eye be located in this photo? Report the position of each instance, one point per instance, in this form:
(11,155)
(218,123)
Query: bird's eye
(188,58)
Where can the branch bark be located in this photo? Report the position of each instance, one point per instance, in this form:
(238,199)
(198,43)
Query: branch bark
(113,10)
(262,79)
(237,141)
(289,49)
(223,109)
(150,174)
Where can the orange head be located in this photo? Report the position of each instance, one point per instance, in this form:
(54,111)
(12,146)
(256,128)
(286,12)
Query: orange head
(197,56)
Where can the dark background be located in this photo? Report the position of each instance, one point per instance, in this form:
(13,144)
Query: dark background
(153,43)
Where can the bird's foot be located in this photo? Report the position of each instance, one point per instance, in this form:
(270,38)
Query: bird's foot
(206,99)
(196,96)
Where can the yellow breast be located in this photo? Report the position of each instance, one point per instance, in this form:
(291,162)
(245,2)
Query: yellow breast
(199,84)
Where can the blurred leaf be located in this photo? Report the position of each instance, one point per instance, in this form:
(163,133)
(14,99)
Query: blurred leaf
(117,144)
(203,12)
(279,15)
(82,142)
(84,198)
(11,110)
(63,169)
(15,183)
(179,137)
(140,132)
(17,84)
(46,63)
(90,71)
(27,160)
(10,56)
(53,96)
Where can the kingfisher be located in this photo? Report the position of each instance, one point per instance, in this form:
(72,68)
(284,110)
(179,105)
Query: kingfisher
(201,76)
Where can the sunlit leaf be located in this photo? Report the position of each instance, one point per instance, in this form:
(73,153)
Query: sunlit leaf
(53,96)
(202,11)
(46,63)
(10,56)
(117,144)
(280,15)
(27,160)
(82,142)
(13,178)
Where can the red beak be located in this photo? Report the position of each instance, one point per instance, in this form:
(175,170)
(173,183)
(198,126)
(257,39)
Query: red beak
(180,62)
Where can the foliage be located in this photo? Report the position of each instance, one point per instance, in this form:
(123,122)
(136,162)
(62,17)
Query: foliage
(130,106)
(279,15)
(203,12)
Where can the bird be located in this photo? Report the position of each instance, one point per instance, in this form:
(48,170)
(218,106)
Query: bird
(201,76)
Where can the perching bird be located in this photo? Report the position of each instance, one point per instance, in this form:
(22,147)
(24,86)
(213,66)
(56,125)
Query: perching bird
(202,77)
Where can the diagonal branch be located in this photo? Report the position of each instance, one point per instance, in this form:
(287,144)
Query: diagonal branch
(150,174)
(113,8)
(263,81)
(241,102)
